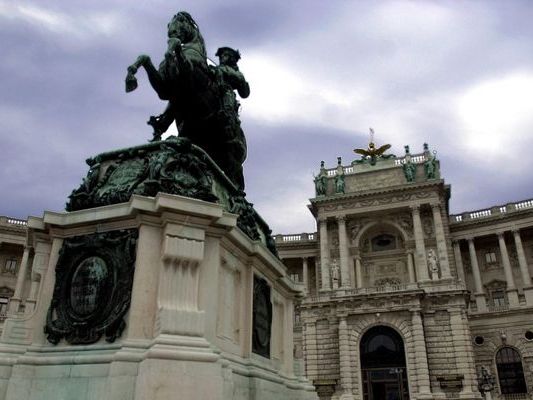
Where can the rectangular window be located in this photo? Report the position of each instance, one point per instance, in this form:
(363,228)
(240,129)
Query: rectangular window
(490,257)
(499,299)
(295,278)
(11,266)
(3,306)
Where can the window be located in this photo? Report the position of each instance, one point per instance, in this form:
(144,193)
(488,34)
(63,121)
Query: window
(510,371)
(295,278)
(490,257)
(3,306)
(10,266)
(383,242)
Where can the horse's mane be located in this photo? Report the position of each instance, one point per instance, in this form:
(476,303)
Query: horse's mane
(185,16)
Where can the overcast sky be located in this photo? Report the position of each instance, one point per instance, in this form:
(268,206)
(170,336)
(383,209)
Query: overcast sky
(455,74)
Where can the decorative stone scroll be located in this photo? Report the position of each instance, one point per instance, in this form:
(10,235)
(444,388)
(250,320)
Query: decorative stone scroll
(262,318)
(94,277)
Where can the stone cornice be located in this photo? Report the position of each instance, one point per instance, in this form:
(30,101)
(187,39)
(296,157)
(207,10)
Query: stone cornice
(414,187)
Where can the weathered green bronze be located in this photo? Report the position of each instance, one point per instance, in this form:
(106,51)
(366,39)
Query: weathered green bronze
(321,181)
(409,168)
(174,166)
(430,165)
(261,318)
(94,278)
(201,98)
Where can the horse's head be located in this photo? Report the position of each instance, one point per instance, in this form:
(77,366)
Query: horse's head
(183,27)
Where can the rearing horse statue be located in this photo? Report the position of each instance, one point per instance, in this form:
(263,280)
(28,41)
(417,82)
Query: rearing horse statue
(197,96)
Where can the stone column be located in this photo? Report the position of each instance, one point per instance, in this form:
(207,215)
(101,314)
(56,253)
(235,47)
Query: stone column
(317,275)
(420,258)
(524,270)
(358,271)
(464,354)
(344,358)
(324,254)
(441,242)
(14,302)
(343,252)
(305,276)
(459,261)
(410,266)
(310,350)
(478,287)
(512,293)
(422,369)
(38,270)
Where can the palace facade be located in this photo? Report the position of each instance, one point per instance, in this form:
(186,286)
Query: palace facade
(405,301)
(401,299)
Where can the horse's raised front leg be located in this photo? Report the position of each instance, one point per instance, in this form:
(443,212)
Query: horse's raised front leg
(155,78)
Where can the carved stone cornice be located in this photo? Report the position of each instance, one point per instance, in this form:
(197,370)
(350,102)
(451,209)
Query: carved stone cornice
(403,193)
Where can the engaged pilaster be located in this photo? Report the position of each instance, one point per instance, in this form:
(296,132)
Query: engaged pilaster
(512,293)
(183,250)
(343,252)
(524,271)
(14,302)
(464,354)
(344,358)
(324,254)
(358,271)
(422,369)
(420,259)
(305,276)
(479,294)
(441,242)
(459,260)
(410,266)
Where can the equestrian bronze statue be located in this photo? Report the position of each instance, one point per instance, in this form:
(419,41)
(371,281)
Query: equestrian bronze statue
(201,97)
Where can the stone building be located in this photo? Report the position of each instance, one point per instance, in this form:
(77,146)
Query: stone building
(413,303)
(12,243)
(404,300)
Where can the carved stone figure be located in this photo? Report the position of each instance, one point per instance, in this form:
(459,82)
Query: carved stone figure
(433,264)
(335,274)
(321,181)
(430,166)
(200,98)
(339,183)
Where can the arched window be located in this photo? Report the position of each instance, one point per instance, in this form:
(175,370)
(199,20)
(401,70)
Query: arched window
(510,371)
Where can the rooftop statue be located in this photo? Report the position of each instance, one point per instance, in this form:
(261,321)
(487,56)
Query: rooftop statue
(201,98)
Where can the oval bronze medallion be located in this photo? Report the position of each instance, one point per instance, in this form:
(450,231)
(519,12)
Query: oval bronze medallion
(88,285)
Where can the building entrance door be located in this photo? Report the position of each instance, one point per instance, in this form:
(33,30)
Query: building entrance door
(383,365)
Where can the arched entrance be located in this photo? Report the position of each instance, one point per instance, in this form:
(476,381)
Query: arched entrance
(383,365)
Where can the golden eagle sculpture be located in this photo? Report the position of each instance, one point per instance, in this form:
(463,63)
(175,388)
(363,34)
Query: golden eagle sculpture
(372,154)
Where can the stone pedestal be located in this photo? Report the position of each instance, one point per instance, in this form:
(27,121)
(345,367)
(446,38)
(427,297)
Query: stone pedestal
(188,325)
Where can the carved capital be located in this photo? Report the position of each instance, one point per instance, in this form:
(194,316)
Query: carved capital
(456,242)
(435,206)
(322,220)
(516,232)
(415,209)
(500,234)
(341,219)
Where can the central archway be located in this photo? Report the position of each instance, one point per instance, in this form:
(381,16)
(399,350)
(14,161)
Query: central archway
(383,365)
